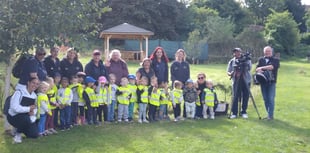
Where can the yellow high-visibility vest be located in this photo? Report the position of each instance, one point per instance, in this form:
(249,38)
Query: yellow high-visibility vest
(209,97)
(40,99)
(145,94)
(177,96)
(64,98)
(102,96)
(133,91)
(155,96)
(164,97)
(92,97)
(124,97)
(51,94)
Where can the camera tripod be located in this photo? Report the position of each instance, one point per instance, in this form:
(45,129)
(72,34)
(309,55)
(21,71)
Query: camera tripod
(237,93)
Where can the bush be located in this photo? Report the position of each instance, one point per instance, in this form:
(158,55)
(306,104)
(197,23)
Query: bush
(305,39)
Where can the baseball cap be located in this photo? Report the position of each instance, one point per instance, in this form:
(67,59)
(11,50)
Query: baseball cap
(131,76)
(89,79)
(96,52)
(189,81)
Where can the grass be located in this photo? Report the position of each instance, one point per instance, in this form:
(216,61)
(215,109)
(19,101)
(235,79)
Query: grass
(288,133)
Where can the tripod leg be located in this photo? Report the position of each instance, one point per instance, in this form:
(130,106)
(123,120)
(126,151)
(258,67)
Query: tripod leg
(254,104)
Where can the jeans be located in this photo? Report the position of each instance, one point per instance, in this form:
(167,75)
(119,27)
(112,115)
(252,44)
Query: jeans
(122,112)
(152,112)
(162,111)
(111,111)
(269,93)
(240,90)
(198,111)
(65,117)
(41,125)
(142,111)
(74,112)
(190,109)
(130,110)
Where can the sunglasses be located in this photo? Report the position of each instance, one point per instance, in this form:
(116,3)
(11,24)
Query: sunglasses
(200,78)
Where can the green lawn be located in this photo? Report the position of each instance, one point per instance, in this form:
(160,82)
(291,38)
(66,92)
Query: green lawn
(288,133)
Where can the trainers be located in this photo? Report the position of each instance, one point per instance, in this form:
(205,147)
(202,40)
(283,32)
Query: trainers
(245,116)
(233,116)
(175,120)
(53,131)
(119,121)
(212,117)
(145,121)
(140,121)
(126,120)
(17,138)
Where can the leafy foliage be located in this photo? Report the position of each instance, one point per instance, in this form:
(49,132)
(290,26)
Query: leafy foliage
(298,12)
(282,32)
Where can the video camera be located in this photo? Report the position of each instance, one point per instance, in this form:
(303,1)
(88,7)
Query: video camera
(243,59)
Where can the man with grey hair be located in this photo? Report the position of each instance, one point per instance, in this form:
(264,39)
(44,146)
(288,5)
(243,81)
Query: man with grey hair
(268,88)
(239,71)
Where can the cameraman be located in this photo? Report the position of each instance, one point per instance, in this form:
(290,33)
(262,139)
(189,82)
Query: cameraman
(268,63)
(239,70)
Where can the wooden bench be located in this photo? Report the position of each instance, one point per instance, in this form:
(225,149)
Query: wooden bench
(132,55)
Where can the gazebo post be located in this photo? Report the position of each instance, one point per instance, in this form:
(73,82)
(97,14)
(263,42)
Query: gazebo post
(141,49)
(146,46)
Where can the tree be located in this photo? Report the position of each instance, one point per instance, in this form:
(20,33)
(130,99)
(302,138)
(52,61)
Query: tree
(194,44)
(281,31)
(167,19)
(298,11)
(26,24)
(262,8)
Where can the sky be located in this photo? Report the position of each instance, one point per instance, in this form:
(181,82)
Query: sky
(307,2)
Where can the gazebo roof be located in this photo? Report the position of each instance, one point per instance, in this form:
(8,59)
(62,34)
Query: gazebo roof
(124,31)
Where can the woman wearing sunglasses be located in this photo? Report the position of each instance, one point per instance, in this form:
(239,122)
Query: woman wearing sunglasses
(200,86)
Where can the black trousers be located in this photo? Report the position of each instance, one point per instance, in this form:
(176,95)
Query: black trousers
(102,109)
(23,124)
(74,112)
(152,112)
(177,110)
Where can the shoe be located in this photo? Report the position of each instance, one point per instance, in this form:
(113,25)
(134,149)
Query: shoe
(233,116)
(17,138)
(119,121)
(245,116)
(145,121)
(139,121)
(212,117)
(126,120)
(205,117)
(48,132)
(175,120)
(53,131)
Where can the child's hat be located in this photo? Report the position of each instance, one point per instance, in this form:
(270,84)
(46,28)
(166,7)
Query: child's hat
(131,76)
(89,79)
(102,79)
(80,74)
(189,81)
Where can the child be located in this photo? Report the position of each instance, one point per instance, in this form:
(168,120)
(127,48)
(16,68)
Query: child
(51,94)
(209,99)
(112,97)
(80,90)
(133,99)
(123,95)
(90,98)
(42,102)
(102,99)
(190,98)
(75,101)
(65,97)
(177,99)
(163,87)
(57,79)
(154,94)
(143,99)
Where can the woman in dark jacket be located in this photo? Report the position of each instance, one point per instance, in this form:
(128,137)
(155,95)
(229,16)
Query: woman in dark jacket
(160,64)
(52,62)
(70,65)
(179,69)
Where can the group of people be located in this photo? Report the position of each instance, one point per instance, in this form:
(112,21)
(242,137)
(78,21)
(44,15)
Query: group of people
(60,94)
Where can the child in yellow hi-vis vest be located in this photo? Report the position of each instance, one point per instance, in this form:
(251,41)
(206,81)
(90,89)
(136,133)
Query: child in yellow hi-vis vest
(102,99)
(80,90)
(65,97)
(177,99)
(143,99)
(90,98)
(43,109)
(164,100)
(123,96)
(133,99)
(209,99)
(75,101)
(51,94)
(155,94)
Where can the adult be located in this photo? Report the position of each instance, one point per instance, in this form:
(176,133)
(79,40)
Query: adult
(22,111)
(70,65)
(33,68)
(268,89)
(117,66)
(52,62)
(145,70)
(95,67)
(160,64)
(200,86)
(238,69)
(179,69)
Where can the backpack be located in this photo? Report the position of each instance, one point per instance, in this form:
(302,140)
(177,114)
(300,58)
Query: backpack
(18,66)
(7,104)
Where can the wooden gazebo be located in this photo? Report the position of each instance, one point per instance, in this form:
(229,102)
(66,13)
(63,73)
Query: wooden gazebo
(126,31)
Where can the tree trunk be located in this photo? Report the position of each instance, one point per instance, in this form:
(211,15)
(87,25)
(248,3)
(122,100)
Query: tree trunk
(8,79)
